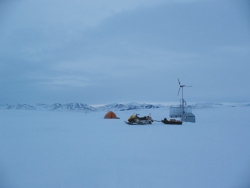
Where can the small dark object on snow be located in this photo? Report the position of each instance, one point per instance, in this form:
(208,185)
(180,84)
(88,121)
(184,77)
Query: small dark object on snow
(171,122)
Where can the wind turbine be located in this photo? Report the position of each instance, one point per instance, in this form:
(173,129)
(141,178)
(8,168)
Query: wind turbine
(182,100)
(181,87)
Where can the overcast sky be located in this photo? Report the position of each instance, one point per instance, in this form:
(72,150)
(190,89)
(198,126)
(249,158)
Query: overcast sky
(105,51)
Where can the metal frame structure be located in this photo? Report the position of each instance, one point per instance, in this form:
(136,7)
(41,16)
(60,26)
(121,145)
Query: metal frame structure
(182,101)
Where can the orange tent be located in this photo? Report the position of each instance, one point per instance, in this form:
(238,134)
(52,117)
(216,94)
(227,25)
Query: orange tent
(111,115)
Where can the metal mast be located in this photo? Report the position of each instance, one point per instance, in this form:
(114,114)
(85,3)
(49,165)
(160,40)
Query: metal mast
(182,100)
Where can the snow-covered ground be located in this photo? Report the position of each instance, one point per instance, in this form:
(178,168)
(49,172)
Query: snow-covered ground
(65,149)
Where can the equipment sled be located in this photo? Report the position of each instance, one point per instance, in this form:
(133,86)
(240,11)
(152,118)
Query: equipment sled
(171,122)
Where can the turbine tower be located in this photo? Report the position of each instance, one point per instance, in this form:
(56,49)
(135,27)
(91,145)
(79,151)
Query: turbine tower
(182,100)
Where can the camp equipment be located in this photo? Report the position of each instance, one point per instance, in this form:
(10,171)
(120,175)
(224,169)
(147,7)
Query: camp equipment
(110,115)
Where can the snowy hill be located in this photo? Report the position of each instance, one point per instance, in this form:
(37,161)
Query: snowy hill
(80,107)
(212,105)
(72,107)
(129,106)
(218,105)
(114,107)
(51,107)
(17,106)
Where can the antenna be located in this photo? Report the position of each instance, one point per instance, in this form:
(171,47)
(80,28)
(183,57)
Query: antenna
(182,100)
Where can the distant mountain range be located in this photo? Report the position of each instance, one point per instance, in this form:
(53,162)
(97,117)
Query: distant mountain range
(108,107)
(79,107)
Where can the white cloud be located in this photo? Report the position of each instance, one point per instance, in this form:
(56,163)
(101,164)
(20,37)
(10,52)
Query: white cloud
(65,80)
(79,14)
(236,49)
(73,81)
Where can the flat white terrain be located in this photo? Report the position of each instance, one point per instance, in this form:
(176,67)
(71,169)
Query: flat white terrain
(46,149)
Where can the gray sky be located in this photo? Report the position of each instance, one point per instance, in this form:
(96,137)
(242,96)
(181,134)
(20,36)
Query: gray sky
(105,51)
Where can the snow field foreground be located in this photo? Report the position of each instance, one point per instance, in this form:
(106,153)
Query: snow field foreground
(41,149)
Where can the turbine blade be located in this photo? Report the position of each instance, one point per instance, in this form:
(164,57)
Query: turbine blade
(179,81)
(179,90)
